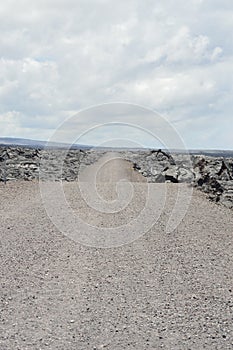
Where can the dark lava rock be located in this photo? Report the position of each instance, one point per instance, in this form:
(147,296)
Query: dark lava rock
(213,175)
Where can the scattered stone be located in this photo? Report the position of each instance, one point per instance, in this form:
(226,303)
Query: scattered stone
(213,175)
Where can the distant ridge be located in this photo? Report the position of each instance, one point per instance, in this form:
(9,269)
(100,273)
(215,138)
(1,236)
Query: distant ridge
(11,141)
(205,152)
(14,142)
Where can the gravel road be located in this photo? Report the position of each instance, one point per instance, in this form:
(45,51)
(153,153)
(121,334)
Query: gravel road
(162,291)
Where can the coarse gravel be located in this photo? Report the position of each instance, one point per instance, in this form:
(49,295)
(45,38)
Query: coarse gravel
(162,291)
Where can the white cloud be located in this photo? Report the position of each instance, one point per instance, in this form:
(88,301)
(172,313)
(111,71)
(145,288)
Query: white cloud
(58,56)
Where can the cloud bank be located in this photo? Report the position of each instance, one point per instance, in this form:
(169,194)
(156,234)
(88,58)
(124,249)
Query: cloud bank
(58,57)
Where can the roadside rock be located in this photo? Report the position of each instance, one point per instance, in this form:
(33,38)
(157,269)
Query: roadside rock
(226,197)
(213,175)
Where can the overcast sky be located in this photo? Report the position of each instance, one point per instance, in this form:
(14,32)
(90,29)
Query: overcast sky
(174,57)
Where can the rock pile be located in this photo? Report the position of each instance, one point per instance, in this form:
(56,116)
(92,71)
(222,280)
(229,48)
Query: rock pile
(213,175)
(18,163)
(29,164)
(159,166)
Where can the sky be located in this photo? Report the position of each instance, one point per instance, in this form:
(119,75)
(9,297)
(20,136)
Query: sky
(173,57)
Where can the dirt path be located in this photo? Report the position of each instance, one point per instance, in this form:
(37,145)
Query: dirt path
(163,291)
(111,168)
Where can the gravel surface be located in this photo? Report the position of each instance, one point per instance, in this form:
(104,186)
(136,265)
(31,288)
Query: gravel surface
(163,291)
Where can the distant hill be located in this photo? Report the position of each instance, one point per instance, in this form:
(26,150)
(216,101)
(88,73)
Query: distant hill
(212,153)
(206,152)
(10,141)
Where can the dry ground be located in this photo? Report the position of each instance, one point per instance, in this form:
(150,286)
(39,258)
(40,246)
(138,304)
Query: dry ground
(162,291)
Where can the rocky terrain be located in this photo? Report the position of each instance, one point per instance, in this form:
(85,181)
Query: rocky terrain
(88,274)
(154,290)
(213,175)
